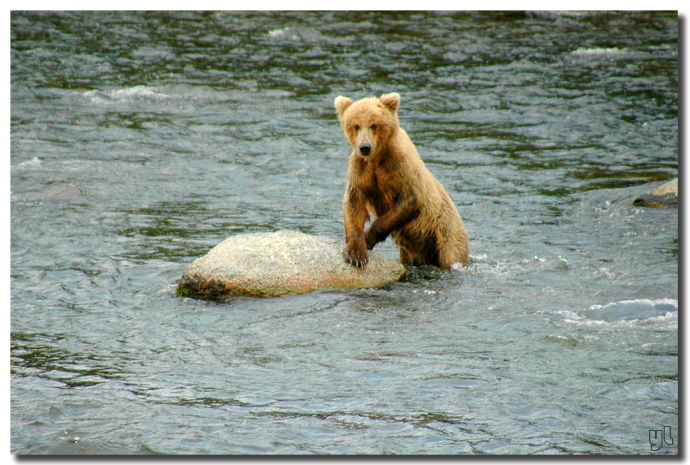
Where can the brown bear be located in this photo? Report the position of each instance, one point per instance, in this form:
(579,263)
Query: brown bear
(387,177)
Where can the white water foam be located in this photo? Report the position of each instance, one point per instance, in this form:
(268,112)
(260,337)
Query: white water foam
(598,52)
(278,32)
(627,313)
(649,302)
(120,95)
(33,163)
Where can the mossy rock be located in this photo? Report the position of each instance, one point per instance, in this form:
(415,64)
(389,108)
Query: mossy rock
(281,263)
(664,196)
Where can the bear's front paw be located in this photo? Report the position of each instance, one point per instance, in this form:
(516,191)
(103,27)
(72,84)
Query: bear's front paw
(374,235)
(356,255)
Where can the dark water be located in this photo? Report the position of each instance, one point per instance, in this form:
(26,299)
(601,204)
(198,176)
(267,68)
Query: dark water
(141,140)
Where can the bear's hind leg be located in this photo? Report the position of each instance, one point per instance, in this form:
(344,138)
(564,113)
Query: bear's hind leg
(404,256)
(451,253)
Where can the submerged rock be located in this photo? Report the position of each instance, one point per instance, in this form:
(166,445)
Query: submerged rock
(664,196)
(280,263)
(58,192)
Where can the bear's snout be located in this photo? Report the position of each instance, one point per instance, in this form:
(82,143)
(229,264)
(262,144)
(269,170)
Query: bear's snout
(365,149)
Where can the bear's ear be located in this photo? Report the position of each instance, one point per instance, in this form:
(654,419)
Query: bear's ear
(391,101)
(341,104)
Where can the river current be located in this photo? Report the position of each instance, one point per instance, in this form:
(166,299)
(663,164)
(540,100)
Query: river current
(140,140)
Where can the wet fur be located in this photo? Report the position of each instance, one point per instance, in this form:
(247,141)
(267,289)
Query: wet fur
(392,183)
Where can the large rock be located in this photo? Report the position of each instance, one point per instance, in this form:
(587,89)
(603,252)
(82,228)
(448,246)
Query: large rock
(664,196)
(668,188)
(57,192)
(280,263)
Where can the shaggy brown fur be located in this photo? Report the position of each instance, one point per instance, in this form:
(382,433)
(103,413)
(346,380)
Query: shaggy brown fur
(387,177)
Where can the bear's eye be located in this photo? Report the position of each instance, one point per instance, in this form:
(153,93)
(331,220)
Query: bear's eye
(373,127)
(357,127)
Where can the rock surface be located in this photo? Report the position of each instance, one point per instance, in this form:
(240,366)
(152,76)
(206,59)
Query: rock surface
(664,196)
(57,192)
(669,188)
(280,263)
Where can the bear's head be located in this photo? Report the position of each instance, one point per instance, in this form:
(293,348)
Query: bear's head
(369,123)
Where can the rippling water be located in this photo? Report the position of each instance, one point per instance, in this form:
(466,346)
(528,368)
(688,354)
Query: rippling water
(141,140)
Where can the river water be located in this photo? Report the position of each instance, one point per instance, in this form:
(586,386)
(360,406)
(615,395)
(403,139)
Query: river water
(141,140)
